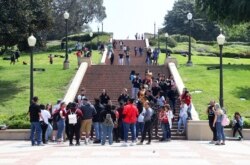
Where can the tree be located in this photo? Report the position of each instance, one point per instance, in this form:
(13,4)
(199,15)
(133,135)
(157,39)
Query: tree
(176,22)
(19,18)
(225,11)
(81,12)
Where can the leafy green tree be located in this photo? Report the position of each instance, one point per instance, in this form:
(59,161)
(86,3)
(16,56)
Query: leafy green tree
(19,18)
(81,13)
(176,22)
(225,11)
(239,32)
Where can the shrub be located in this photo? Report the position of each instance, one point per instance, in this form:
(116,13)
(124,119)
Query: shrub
(170,41)
(17,121)
(182,38)
(84,37)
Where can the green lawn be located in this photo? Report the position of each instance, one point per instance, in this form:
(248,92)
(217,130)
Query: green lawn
(236,82)
(49,85)
(52,84)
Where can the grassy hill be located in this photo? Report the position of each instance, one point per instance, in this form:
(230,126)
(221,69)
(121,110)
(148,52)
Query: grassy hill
(51,84)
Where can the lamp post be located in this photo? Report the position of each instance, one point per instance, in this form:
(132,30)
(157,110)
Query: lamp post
(189,17)
(97,34)
(154,29)
(66,61)
(91,35)
(102,27)
(32,43)
(158,39)
(221,41)
(166,36)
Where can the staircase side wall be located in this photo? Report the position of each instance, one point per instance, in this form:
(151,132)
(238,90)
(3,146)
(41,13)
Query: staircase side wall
(180,85)
(75,84)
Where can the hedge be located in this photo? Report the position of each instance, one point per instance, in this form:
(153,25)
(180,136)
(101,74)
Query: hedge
(21,121)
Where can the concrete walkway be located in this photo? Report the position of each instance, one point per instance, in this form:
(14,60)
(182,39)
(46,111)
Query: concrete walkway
(174,152)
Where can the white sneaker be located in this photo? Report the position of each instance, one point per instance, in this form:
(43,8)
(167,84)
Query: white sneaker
(132,144)
(124,144)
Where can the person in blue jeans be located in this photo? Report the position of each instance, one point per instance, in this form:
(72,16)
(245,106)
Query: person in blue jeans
(35,115)
(129,114)
(61,122)
(217,123)
(108,118)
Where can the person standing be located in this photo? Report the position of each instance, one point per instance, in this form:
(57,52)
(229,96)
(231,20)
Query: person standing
(104,97)
(211,116)
(217,123)
(130,114)
(74,129)
(237,124)
(88,111)
(79,56)
(17,55)
(44,120)
(182,118)
(61,122)
(35,115)
(148,113)
(108,118)
(127,53)
(12,58)
(121,57)
(97,120)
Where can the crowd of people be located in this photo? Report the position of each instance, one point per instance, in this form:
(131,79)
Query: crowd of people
(152,103)
(125,51)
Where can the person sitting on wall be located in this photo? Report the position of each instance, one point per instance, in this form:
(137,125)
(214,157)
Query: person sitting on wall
(237,124)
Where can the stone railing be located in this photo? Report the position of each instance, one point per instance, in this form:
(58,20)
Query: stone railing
(75,84)
(180,85)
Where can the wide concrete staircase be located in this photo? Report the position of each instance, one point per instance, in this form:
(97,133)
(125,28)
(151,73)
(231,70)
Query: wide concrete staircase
(115,77)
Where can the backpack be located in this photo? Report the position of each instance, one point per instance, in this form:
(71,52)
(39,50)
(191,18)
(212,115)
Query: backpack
(56,116)
(225,121)
(108,121)
(72,117)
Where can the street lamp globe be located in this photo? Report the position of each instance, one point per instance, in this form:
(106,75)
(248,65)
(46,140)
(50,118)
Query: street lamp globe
(32,41)
(221,39)
(189,16)
(66,15)
(166,35)
(91,34)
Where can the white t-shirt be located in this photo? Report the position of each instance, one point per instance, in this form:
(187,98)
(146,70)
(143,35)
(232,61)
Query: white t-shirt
(183,111)
(46,115)
(55,107)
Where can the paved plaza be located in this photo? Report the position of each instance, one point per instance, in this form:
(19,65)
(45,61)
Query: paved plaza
(174,152)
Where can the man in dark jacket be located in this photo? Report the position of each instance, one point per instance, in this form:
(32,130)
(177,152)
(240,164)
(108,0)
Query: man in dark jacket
(124,97)
(88,111)
(35,114)
(97,121)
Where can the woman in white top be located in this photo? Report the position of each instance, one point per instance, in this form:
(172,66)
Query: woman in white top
(44,120)
(182,117)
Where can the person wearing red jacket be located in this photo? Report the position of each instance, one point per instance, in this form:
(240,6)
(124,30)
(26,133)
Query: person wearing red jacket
(186,98)
(130,114)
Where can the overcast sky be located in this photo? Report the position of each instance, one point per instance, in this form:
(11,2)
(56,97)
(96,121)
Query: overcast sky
(127,17)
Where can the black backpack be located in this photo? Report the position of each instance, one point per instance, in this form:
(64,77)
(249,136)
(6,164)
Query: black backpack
(56,116)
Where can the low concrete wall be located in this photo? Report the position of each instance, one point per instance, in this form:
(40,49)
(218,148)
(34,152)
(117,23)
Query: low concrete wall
(15,134)
(75,84)
(199,130)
